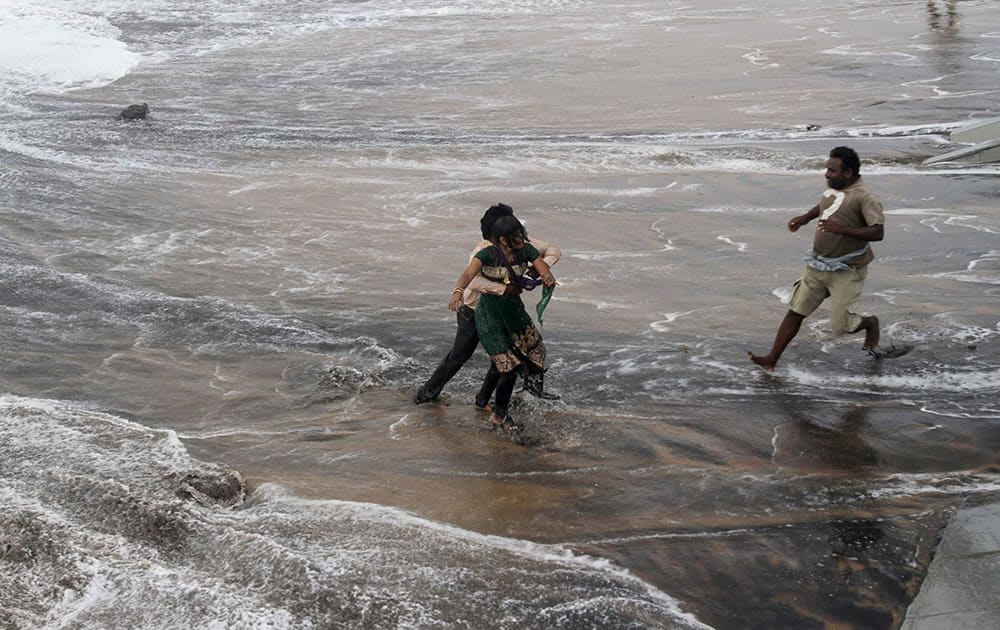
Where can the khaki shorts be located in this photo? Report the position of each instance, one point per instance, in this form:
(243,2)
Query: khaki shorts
(844,289)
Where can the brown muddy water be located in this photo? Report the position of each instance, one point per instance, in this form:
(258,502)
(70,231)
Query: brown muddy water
(214,320)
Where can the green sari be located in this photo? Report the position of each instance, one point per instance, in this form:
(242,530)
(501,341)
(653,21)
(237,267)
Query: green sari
(505,328)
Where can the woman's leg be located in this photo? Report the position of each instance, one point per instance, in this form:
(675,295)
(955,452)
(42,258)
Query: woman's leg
(505,387)
(489,386)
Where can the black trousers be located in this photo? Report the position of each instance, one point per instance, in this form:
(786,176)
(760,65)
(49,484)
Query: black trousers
(464,346)
(466,342)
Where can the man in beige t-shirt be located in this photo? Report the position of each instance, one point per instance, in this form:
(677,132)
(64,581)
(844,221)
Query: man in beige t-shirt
(850,217)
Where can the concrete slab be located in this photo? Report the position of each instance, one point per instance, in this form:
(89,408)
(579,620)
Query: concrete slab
(982,153)
(962,587)
(955,621)
(978,131)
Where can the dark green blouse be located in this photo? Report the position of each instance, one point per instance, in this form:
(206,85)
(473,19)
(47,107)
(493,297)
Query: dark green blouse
(494,269)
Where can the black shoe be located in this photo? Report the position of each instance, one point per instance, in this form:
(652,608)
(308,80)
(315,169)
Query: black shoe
(510,425)
(546,395)
(507,424)
(422,398)
(534,384)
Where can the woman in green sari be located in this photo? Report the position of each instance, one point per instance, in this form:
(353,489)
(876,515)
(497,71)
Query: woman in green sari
(505,328)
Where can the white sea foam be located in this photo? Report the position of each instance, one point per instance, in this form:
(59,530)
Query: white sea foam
(986,57)
(738,210)
(959,412)
(761,58)
(619,540)
(68,427)
(554,555)
(983,270)
(413,222)
(740,246)
(859,50)
(612,255)
(948,326)
(12,145)
(784,294)
(904,485)
(976,278)
(664,325)
(395,427)
(938,218)
(51,49)
(928,380)
(338,543)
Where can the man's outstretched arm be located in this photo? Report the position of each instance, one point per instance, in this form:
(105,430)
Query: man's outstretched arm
(796,222)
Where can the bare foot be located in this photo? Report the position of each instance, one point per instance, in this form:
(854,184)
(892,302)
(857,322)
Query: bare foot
(871,334)
(763,362)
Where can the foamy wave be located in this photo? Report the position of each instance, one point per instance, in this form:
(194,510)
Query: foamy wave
(68,436)
(613,255)
(739,245)
(38,153)
(959,411)
(927,380)
(784,294)
(728,210)
(905,485)
(943,326)
(936,217)
(105,519)
(983,270)
(50,49)
(307,513)
(664,325)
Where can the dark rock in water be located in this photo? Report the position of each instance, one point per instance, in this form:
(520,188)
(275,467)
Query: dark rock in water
(812,127)
(222,488)
(134,112)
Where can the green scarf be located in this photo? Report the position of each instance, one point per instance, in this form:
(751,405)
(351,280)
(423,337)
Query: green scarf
(542,303)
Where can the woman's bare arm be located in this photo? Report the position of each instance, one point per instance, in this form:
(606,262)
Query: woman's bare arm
(463,281)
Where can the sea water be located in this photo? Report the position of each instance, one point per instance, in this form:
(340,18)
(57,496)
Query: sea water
(214,320)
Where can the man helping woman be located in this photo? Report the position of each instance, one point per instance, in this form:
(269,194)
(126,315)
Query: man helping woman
(504,327)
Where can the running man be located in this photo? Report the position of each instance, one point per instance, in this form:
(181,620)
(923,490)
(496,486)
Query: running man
(850,218)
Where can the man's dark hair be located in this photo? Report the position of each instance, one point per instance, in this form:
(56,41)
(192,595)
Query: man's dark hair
(848,158)
(490,217)
(507,227)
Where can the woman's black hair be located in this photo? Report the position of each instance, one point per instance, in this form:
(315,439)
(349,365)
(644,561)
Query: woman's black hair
(490,217)
(507,227)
